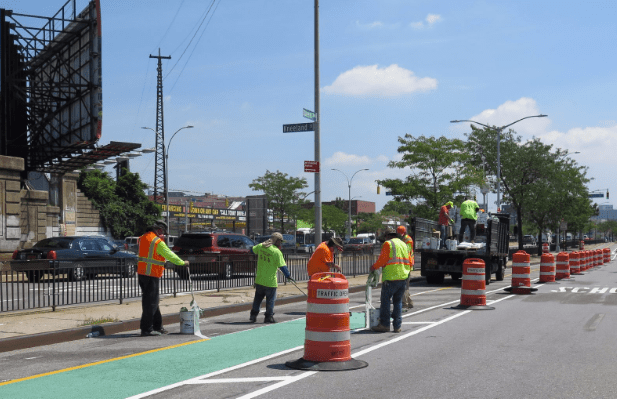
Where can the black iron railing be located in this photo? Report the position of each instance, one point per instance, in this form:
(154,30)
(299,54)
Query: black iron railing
(52,283)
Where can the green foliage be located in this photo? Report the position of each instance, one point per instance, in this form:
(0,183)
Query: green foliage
(333,219)
(438,168)
(282,193)
(124,207)
(397,207)
(369,222)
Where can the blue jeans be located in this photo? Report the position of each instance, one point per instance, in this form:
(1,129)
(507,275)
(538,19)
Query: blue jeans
(392,290)
(442,230)
(260,292)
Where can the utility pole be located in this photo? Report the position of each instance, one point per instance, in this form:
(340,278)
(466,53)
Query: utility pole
(160,182)
(317,133)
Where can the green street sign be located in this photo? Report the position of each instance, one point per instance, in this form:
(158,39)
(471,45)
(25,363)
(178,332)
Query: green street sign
(309,114)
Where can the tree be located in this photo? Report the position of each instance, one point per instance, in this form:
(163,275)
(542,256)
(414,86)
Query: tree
(369,222)
(281,191)
(124,207)
(334,219)
(439,168)
(397,207)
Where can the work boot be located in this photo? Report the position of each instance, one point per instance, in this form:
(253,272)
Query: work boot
(269,319)
(162,330)
(253,318)
(380,328)
(150,334)
(397,330)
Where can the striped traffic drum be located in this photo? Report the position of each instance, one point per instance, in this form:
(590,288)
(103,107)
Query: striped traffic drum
(563,266)
(521,274)
(547,268)
(473,286)
(326,337)
(575,267)
(607,255)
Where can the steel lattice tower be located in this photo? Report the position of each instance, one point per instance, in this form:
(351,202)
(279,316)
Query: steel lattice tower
(160,168)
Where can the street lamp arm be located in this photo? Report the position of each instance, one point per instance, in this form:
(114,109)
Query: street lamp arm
(477,123)
(174,135)
(527,117)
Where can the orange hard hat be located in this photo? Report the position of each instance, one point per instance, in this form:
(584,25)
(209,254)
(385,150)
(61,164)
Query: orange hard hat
(401,230)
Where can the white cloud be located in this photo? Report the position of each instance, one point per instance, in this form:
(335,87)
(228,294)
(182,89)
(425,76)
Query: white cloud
(342,159)
(430,20)
(371,81)
(370,25)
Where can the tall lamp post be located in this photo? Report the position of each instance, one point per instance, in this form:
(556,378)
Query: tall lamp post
(499,130)
(349,206)
(166,157)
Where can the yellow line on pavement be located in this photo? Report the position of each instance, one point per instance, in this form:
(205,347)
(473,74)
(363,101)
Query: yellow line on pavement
(99,362)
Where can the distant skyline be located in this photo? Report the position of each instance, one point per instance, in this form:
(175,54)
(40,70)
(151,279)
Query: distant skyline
(241,69)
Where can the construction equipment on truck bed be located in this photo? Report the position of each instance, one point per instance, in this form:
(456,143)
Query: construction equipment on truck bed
(491,245)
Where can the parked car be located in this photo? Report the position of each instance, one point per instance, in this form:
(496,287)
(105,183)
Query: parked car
(131,244)
(359,245)
(529,240)
(224,253)
(76,254)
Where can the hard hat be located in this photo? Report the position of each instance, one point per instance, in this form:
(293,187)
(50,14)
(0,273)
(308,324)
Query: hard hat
(387,232)
(160,224)
(401,230)
(449,203)
(338,242)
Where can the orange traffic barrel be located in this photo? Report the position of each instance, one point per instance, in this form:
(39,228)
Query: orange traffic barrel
(583,260)
(473,286)
(575,266)
(563,266)
(521,271)
(581,246)
(326,338)
(607,255)
(599,256)
(545,248)
(547,268)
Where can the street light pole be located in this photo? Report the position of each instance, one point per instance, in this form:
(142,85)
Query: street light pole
(499,130)
(166,157)
(349,205)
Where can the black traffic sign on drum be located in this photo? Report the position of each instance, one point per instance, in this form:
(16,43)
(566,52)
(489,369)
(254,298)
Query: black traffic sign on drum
(299,127)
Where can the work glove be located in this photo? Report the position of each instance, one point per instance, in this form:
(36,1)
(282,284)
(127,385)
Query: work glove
(373,278)
(291,279)
(452,221)
(186,263)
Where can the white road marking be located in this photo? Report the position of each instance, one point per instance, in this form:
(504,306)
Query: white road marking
(236,380)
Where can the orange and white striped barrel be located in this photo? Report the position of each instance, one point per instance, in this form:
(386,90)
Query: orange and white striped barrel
(581,246)
(563,266)
(583,260)
(599,257)
(547,268)
(575,266)
(607,255)
(594,258)
(473,286)
(521,270)
(545,248)
(327,333)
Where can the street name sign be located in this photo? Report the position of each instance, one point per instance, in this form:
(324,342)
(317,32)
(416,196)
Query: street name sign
(311,166)
(299,127)
(600,195)
(309,114)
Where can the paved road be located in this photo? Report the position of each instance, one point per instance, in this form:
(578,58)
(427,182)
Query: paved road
(555,343)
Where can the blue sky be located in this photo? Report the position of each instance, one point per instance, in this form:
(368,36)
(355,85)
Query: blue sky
(387,67)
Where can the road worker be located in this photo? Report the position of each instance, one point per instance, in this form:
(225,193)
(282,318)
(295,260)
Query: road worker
(469,216)
(150,267)
(406,238)
(444,221)
(396,263)
(322,260)
(270,259)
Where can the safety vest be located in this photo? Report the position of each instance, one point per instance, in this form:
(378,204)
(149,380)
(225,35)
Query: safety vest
(398,266)
(409,241)
(149,262)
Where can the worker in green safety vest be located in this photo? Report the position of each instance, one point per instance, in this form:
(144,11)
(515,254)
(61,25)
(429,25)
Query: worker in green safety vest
(469,216)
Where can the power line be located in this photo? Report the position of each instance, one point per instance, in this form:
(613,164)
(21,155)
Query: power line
(169,27)
(195,34)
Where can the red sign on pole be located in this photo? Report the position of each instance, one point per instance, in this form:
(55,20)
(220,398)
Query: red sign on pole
(311,166)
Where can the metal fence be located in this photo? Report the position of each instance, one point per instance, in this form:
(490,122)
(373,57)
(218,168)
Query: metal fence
(52,283)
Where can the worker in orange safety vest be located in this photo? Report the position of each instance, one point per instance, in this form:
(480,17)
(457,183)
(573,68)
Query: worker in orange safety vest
(402,232)
(150,267)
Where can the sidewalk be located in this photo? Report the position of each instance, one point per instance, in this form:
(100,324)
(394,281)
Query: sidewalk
(31,328)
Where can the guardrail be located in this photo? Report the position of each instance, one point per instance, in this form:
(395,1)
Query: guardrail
(51,283)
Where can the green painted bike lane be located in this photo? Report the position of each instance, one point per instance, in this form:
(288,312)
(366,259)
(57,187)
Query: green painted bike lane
(128,376)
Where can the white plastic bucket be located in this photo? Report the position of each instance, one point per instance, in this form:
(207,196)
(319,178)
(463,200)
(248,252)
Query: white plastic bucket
(188,321)
(434,243)
(373,317)
(426,244)
(451,245)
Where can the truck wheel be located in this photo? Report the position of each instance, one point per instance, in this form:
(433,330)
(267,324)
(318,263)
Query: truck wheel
(434,278)
(501,272)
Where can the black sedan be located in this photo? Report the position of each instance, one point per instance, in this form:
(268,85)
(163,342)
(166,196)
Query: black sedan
(79,257)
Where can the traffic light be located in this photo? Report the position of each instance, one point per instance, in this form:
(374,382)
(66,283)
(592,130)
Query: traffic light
(377,189)
(606,193)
